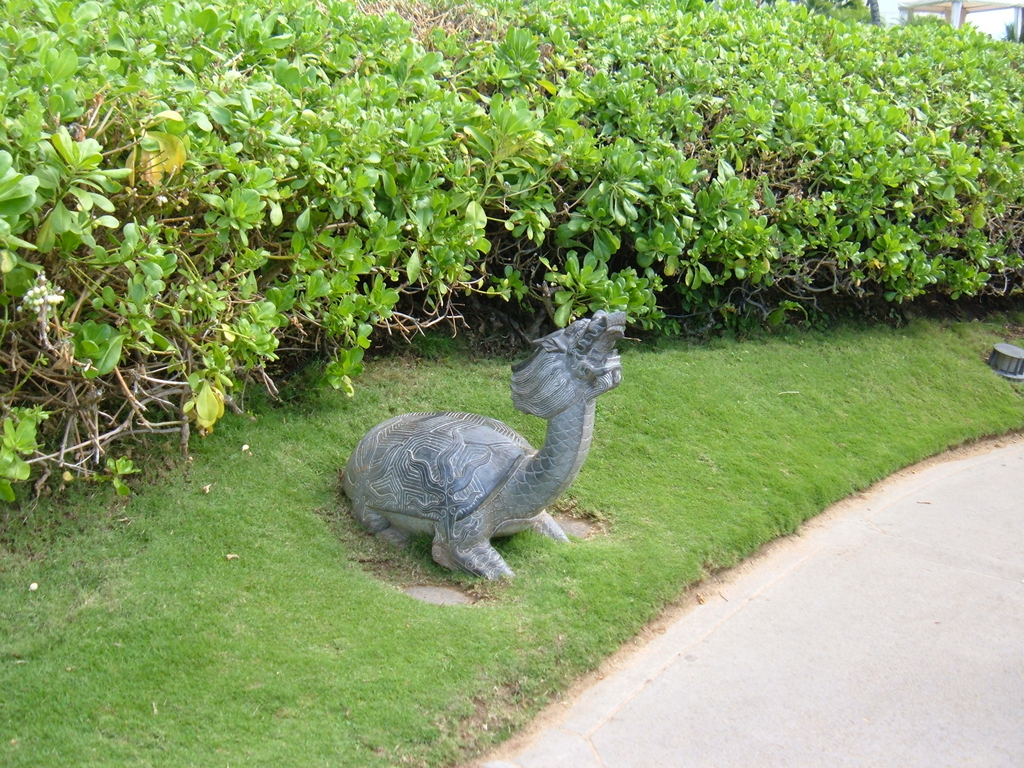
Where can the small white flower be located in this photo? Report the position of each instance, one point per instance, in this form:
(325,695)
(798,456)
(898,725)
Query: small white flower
(41,296)
(33,587)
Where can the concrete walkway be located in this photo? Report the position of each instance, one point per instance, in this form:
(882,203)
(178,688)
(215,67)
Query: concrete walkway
(888,632)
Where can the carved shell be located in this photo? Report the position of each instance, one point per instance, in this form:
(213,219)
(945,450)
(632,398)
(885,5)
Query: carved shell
(427,465)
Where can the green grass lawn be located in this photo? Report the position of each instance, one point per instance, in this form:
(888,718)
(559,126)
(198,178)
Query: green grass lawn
(145,645)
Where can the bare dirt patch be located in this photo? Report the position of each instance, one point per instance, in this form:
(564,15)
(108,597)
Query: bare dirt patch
(411,568)
(450,18)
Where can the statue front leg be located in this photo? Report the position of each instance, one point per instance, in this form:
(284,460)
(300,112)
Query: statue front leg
(483,560)
(467,549)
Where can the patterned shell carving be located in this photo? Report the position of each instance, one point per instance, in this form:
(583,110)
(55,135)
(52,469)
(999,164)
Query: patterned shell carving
(430,464)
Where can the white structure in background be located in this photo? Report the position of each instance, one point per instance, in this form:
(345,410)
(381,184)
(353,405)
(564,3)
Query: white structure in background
(955,12)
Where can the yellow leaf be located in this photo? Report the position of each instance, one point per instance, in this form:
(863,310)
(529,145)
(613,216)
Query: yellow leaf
(165,161)
(209,406)
(169,115)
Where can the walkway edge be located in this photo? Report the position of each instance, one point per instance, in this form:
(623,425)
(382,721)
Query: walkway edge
(588,704)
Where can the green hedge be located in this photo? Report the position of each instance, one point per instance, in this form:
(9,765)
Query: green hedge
(190,190)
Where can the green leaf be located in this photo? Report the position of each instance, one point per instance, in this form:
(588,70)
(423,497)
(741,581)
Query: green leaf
(64,67)
(65,147)
(220,115)
(317,286)
(412,268)
(85,201)
(562,314)
(203,122)
(111,355)
(131,235)
(22,439)
(672,266)
(17,192)
(207,20)
(99,343)
(151,269)
(46,237)
(475,215)
(725,170)
(6,491)
(62,219)
(14,467)
(88,11)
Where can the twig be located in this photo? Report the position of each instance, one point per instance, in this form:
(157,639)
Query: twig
(136,405)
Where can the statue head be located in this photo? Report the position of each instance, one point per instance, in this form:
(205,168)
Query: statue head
(572,364)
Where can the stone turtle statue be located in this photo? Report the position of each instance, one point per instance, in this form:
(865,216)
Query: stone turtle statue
(465,478)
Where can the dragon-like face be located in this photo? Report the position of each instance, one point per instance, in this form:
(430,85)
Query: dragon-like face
(569,365)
